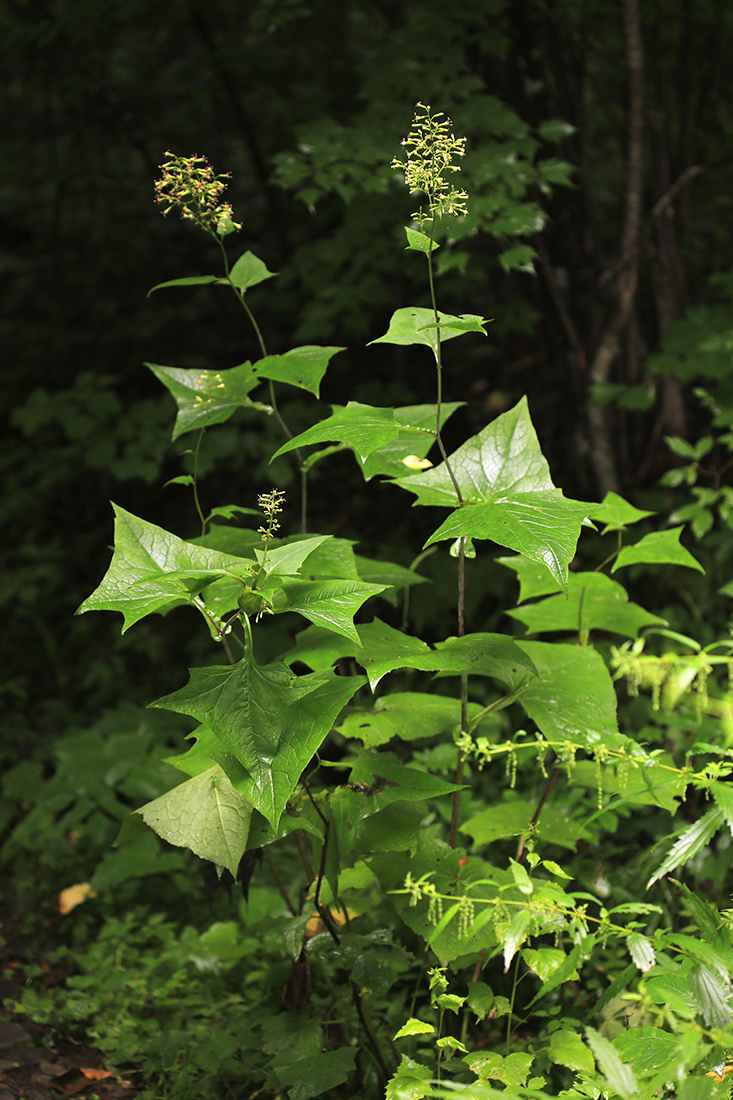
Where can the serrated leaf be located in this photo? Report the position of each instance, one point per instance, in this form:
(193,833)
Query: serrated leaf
(303,367)
(149,570)
(594,602)
(707,917)
(620,1076)
(271,721)
(691,840)
(641,951)
(507,819)
(363,428)
(249,270)
(205,814)
(206,397)
(711,999)
(565,972)
(415,1027)
(659,548)
(646,1048)
(416,325)
(723,796)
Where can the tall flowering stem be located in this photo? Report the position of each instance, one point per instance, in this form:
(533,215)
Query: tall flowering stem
(430,149)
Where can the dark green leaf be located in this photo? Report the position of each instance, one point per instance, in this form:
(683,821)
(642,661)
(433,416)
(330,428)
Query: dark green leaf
(271,721)
(594,602)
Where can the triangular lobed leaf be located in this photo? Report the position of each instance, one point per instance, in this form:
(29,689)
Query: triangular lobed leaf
(659,548)
(416,325)
(363,428)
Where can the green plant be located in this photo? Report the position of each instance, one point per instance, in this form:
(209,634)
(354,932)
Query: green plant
(372,789)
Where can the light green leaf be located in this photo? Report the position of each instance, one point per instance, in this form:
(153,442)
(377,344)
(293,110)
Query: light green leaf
(248,271)
(619,1075)
(565,972)
(712,1000)
(572,697)
(515,935)
(544,961)
(271,721)
(149,571)
(520,876)
(411,716)
(416,325)
(207,397)
(508,494)
(543,526)
(659,548)
(507,819)
(330,604)
(641,951)
(411,1081)
(286,560)
(689,843)
(363,428)
(502,460)
(419,242)
(594,602)
(383,649)
(647,1048)
(188,280)
(673,990)
(303,367)
(415,437)
(617,514)
(568,1049)
(415,1027)
(205,814)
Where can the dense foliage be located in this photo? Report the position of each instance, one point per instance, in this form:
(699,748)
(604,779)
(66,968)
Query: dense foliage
(476,803)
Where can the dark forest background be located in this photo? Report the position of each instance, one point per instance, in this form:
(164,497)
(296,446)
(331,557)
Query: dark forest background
(600,142)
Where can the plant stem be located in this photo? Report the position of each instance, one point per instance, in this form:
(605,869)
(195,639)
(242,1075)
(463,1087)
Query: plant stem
(195,482)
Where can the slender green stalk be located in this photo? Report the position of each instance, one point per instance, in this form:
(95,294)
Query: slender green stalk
(196,481)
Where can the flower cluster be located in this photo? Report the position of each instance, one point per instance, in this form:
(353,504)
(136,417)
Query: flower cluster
(431,148)
(189,185)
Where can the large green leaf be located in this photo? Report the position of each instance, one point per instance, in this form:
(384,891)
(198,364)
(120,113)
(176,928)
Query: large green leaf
(506,819)
(543,526)
(303,367)
(383,649)
(568,1049)
(205,814)
(502,460)
(409,715)
(416,325)
(330,604)
(207,397)
(594,602)
(572,698)
(363,428)
(508,495)
(711,998)
(416,436)
(659,548)
(153,570)
(270,720)
(646,1048)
